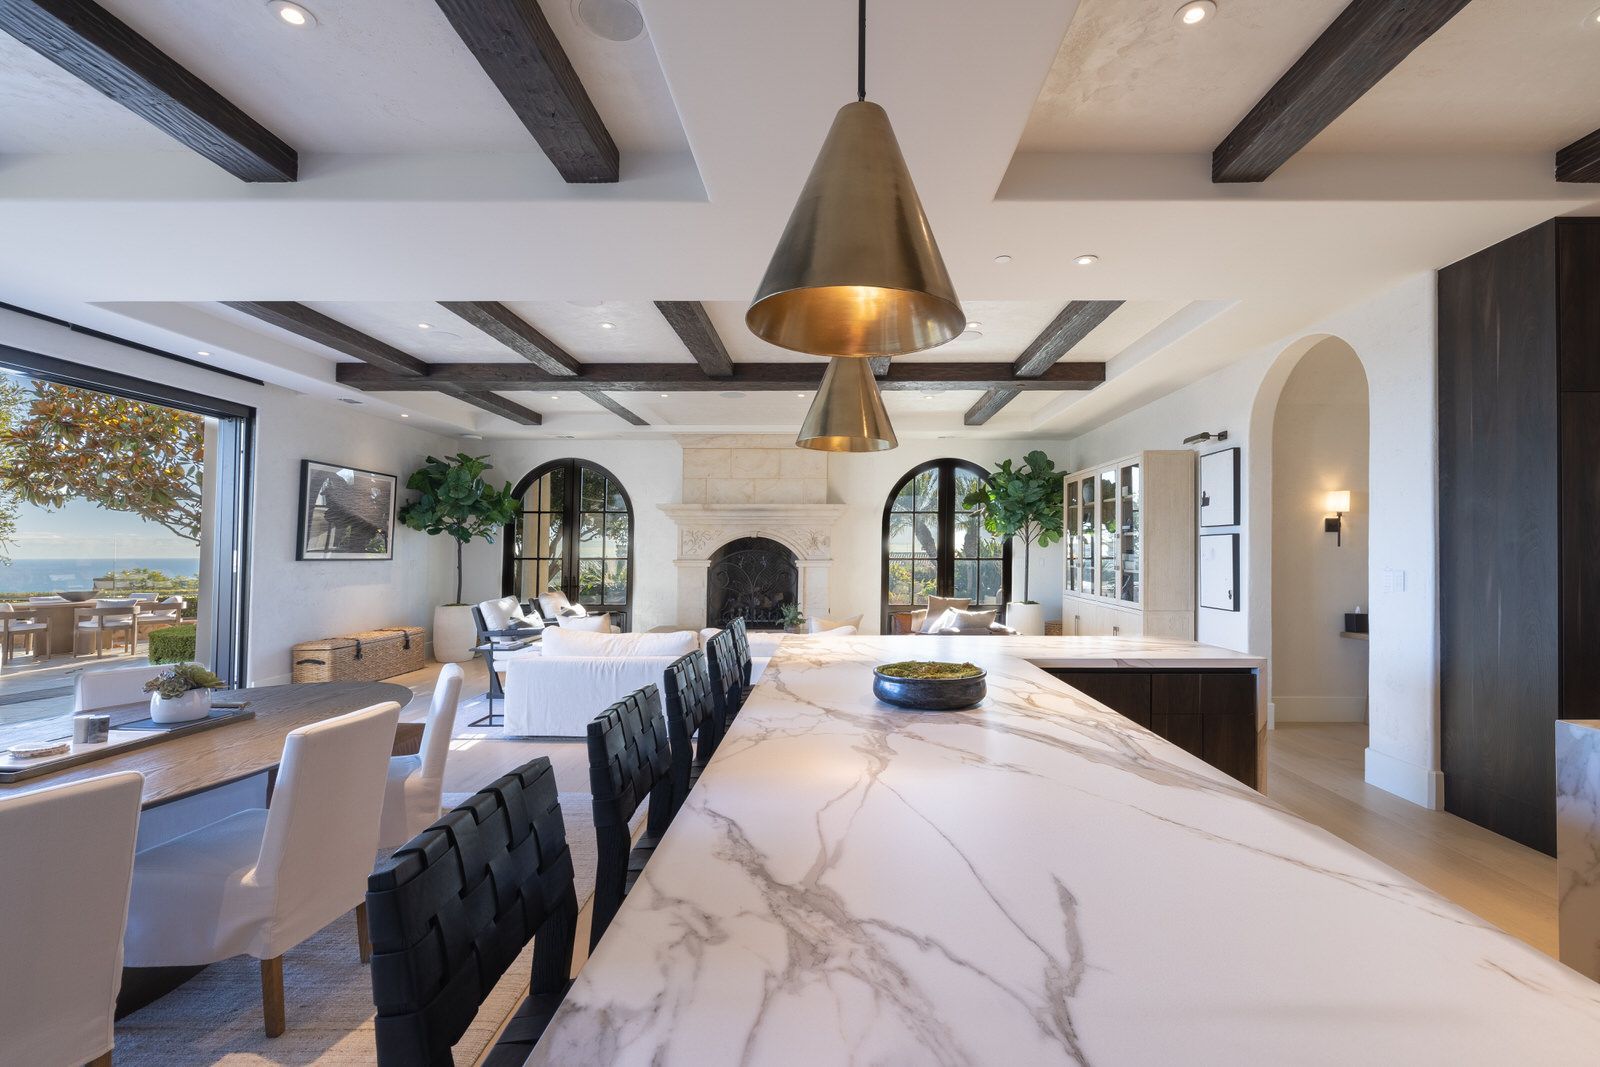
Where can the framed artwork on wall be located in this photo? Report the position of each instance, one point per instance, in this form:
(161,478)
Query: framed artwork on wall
(345,513)
(1219,488)
(1219,571)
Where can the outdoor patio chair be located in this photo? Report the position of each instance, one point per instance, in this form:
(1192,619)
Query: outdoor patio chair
(106,617)
(15,625)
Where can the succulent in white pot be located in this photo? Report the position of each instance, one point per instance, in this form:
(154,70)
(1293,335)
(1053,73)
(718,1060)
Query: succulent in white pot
(182,693)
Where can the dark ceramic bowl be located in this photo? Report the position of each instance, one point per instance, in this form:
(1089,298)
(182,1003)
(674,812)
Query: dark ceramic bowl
(930,694)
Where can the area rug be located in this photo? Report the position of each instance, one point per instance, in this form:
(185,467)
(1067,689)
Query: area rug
(216,1017)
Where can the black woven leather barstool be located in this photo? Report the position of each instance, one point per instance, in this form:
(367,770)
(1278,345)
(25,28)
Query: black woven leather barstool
(741,647)
(629,760)
(727,680)
(452,908)
(691,721)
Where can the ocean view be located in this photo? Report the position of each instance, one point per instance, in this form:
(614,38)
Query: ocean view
(48,575)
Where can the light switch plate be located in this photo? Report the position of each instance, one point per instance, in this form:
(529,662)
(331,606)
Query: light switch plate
(1394,581)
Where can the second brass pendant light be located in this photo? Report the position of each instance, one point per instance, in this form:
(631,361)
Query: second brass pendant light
(856,274)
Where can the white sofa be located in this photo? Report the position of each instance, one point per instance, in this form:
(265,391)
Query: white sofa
(555,689)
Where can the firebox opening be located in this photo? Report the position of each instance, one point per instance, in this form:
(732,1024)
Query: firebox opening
(753,577)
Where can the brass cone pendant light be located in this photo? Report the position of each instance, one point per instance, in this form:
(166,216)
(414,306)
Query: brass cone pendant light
(857,272)
(847,414)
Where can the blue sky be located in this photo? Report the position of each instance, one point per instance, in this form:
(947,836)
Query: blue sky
(82,531)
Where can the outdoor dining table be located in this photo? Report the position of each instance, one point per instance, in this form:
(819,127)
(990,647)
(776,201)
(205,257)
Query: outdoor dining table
(182,766)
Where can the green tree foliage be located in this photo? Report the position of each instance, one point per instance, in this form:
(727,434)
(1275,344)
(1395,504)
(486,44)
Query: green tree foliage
(457,501)
(12,397)
(60,444)
(1024,501)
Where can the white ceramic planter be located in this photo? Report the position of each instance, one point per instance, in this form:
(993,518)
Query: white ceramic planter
(1026,619)
(195,704)
(453,633)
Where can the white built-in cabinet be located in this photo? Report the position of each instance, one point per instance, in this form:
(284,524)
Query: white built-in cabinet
(1130,546)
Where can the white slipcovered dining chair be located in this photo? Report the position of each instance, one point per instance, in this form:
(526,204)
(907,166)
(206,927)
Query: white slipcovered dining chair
(262,881)
(415,790)
(16,624)
(69,857)
(110,686)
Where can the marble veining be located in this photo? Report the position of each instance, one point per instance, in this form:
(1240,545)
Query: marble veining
(1578,843)
(1034,881)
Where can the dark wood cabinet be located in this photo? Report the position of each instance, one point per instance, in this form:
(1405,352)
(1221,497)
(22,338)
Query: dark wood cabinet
(1519,519)
(1211,714)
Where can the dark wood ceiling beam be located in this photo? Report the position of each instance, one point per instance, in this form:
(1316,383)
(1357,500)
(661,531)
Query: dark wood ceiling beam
(89,42)
(1366,41)
(618,410)
(690,322)
(511,330)
(1075,322)
(519,51)
(685,377)
(331,333)
(989,405)
(497,405)
(1580,160)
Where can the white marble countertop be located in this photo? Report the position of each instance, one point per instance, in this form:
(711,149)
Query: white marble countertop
(1035,881)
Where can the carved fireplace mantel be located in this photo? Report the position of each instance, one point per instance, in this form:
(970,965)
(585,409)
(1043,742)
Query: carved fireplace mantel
(805,529)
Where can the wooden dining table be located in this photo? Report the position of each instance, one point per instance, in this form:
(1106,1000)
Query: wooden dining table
(182,766)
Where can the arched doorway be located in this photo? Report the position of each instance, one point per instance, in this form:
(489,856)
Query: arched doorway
(1319,453)
(574,534)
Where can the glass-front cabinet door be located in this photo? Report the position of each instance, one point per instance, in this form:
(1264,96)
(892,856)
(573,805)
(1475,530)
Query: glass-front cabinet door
(1086,536)
(1071,527)
(1130,503)
(1108,534)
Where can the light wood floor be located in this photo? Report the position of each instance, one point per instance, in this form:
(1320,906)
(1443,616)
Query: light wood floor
(1315,770)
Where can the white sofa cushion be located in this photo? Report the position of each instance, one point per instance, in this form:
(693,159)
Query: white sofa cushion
(563,642)
(817,624)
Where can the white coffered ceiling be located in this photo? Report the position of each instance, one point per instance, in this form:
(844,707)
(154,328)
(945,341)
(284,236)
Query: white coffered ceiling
(1037,129)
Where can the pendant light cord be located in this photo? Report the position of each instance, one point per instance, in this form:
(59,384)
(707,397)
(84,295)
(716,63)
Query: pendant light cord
(861,55)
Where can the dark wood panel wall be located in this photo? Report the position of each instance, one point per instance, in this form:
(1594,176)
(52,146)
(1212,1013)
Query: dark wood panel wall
(1519,519)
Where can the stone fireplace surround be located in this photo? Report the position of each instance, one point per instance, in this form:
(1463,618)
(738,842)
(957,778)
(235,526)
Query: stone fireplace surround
(752,485)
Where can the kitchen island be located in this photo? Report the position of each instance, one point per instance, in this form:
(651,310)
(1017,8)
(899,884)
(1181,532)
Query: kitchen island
(1035,881)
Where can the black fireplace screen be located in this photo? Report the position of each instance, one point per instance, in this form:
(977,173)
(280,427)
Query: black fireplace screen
(753,577)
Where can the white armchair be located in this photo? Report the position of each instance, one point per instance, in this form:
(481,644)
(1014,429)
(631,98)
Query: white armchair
(262,881)
(415,789)
(69,856)
(554,692)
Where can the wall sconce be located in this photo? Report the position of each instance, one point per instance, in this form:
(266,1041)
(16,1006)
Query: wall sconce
(1338,503)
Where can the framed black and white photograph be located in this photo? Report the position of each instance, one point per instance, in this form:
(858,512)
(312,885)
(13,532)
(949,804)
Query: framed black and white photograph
(1219,571)
(345,512)
(1219,488)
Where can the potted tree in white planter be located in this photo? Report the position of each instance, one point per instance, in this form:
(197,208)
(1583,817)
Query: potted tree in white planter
(456,500)
(1023,502)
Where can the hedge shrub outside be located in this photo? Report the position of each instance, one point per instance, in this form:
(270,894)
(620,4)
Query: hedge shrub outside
(172,644)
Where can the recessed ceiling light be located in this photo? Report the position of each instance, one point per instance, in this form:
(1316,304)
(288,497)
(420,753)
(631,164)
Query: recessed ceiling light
(202,352)
(663,396)
(608,326)
(1002,259)
(1086,260)
(403,415)
(800,395)
(1195,12)
(1594,19)
(928,396)
(553,396)
(424,325)
(292,14)
(472,437)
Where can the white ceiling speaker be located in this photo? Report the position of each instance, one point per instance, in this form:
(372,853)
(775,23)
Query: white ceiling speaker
(614,20)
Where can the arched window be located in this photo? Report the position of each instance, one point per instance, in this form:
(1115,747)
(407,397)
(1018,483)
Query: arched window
(574,534)
(932,546)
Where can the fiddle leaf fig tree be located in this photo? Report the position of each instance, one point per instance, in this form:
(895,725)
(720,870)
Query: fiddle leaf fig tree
(1022,501)
(458,501)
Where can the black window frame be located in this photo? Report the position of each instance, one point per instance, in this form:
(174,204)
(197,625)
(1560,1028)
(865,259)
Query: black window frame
(571,512)
(945,558)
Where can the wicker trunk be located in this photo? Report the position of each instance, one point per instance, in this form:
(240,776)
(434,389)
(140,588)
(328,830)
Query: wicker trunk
(363,657)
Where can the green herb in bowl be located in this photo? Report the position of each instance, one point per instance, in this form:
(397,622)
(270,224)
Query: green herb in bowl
(929,669)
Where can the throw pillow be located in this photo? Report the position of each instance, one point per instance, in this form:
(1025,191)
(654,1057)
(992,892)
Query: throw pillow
(938,605)
(598,624)
(838,631)
(817,624)
(969,622)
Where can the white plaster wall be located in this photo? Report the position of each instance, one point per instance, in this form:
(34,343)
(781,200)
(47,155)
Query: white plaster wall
(1394,334)
(291,601)
(1319,443)
(651,470)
